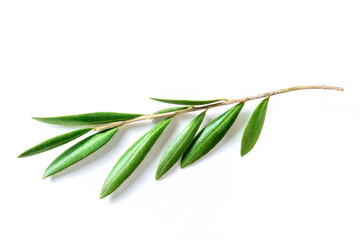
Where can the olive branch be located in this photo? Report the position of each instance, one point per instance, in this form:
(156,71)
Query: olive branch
(189,146)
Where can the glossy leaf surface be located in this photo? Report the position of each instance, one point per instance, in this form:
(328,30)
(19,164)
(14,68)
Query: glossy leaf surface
(166,110)
(187,102)
(131,159)
(88,118)
(253,127)
(177,148)
(54,142)
(210,135)
(79,151)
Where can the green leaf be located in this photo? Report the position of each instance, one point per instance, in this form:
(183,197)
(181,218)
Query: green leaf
(253,127)
(187,102)
(173,109)
(54,142)
(79,151)
(177,148)
(131,159)
(210,135)
(88,118)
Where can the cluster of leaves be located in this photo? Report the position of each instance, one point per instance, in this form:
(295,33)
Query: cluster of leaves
(189,145)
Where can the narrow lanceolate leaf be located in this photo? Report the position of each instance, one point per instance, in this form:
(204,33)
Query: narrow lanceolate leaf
(177,148)
(187,102)
(253,127)
(88,118)
(173,109)
(210,135)
(131,159)
(54,142)
(79,151)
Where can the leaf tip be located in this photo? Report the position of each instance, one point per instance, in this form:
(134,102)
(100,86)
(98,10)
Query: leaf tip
(45,175)
(36,118)
(48,172)
(103,194)
(22,155)
(183,164)
(105,190)
(158,174)
(242,153)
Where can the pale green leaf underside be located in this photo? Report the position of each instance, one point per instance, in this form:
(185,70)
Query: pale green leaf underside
(88,118)
(173,109)
(253,127)
(54,142)
(131,159)
(79,151)
(187,102)
(177,148)
(210,135)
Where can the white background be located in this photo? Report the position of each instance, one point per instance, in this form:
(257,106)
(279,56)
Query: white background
(302,179)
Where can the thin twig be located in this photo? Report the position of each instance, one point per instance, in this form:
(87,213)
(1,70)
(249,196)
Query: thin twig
(217,104)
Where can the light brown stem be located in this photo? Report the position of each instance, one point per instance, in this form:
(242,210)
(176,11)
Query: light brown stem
(217,104)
